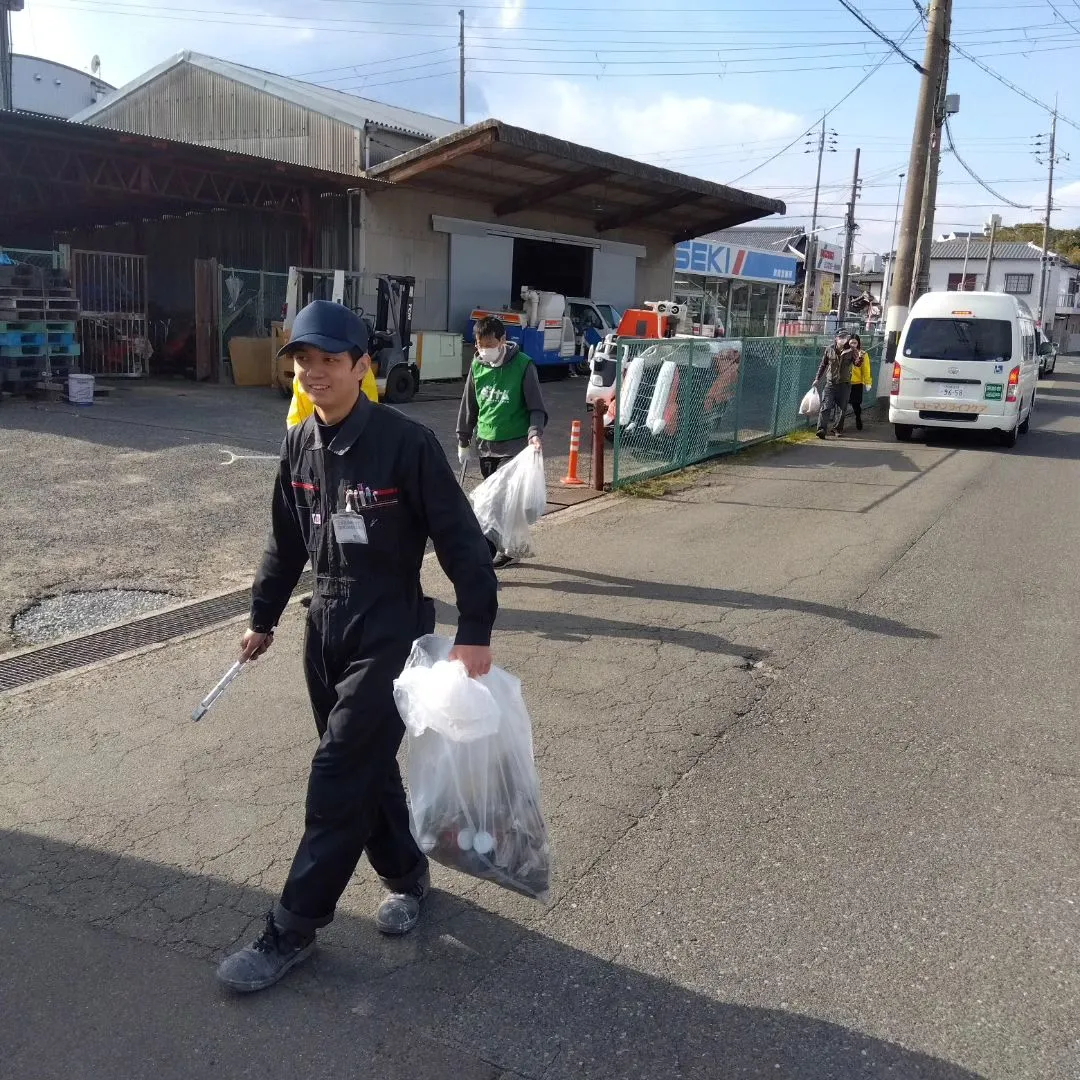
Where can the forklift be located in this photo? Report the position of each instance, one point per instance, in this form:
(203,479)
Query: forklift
(396,375)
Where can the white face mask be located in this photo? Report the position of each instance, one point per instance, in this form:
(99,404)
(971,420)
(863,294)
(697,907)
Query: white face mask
(491,356)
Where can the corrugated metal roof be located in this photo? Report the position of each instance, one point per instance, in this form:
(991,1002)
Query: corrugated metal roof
(761,238)
(348,108)
(517,170)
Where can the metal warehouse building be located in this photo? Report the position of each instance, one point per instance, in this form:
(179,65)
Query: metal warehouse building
(472,213)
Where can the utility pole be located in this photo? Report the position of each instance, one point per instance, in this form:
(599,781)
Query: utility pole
(886,285)
(810,267)
(1046,221)
(461,68)
(849,240)
(944,106)
(904,272)
(995,221)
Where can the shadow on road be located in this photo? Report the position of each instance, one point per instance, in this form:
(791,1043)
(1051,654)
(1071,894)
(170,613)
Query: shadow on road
(576,629)
(468,995)
(588,583)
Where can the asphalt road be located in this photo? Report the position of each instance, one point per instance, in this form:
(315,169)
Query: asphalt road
(807,739)
(165,486)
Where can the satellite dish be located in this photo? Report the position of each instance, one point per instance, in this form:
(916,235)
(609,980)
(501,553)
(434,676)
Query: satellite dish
(95,66)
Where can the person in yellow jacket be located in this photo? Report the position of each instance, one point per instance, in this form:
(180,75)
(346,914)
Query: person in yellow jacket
(301,406)
(861,380)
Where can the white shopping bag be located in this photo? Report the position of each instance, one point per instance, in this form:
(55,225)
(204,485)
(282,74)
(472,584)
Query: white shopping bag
(474,794)
(511,500)
(811,403)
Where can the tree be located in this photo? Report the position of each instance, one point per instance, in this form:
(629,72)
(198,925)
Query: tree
(1063,242)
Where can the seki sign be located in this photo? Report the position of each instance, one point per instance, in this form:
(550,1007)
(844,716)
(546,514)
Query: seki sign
(723,260)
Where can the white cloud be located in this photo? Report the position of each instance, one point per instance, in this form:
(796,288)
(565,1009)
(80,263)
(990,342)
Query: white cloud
(511,13)
(648,128)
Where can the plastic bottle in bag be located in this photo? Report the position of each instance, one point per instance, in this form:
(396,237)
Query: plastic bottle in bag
(474,793)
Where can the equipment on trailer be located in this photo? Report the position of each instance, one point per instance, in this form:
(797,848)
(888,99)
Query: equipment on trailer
(543,330)
(396,374)
(656,319)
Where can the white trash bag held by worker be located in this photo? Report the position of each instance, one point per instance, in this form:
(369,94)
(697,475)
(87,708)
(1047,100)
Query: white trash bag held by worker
(510,501)
(474,793)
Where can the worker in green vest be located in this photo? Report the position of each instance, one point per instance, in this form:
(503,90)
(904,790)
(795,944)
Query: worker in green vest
(502,407)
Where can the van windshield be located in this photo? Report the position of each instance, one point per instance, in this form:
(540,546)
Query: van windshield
(959,339)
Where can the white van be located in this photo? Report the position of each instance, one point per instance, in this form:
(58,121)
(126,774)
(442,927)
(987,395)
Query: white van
(965,360)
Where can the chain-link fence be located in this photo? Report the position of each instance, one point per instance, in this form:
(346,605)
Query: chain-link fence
(250,301)
(684,400)
(43,260)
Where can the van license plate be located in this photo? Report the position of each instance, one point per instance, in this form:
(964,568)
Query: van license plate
(952,391)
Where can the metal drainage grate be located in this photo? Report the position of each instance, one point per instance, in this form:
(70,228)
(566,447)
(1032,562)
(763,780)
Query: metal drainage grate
(43,663)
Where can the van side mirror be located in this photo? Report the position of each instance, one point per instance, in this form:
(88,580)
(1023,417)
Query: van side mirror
(1046,349)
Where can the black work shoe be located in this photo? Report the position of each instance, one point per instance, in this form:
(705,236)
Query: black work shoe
(858,423)
(502,560)
(274,953)
(400,911)
(821,435)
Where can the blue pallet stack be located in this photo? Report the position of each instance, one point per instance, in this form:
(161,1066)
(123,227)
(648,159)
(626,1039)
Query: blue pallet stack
(34,349)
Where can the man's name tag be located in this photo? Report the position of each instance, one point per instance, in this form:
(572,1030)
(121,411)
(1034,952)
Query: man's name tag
(350,529)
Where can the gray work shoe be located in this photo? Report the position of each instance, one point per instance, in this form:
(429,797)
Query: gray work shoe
(400,911)
(271,955)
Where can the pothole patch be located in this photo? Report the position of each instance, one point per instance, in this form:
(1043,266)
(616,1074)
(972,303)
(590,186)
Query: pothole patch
(73,613)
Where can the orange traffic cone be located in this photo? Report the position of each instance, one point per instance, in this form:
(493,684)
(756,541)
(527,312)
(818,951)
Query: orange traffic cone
(571,478)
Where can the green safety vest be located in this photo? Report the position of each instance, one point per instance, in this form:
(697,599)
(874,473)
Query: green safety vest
(503,414)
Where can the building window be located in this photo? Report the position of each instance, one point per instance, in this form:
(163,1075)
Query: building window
(1020,284)
(961,283)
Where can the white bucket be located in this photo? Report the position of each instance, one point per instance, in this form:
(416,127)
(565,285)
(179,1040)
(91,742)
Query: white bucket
(81,389)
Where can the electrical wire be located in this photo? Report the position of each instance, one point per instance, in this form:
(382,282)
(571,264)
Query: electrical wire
(802,135)
(974,176)
(884,37)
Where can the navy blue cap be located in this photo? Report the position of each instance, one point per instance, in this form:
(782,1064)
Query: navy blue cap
(328,326)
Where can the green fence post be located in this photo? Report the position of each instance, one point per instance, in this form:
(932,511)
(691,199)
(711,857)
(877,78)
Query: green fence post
(776,392)
(738,397)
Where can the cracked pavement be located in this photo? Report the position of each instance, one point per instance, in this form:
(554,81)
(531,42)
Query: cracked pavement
(806,734)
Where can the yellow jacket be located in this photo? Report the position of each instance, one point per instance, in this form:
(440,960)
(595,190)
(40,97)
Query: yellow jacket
(301,406)
(861,375)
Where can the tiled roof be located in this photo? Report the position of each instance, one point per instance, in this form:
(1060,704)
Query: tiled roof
(978,249)
(760,238)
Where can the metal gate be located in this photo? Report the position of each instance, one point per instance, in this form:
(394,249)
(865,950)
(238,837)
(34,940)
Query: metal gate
(111,288)
(250,301)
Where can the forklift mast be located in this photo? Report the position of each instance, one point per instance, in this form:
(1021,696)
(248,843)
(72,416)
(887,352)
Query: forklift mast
(396,293)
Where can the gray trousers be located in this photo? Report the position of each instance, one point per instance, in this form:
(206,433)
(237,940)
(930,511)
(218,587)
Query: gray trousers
(834,403)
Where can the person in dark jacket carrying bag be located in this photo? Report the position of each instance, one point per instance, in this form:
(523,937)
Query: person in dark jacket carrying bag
(502,406)
(835,369)
(360,490)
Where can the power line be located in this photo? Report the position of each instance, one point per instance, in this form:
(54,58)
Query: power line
(974,176)
(828,112)
(1066,21)
(884,37)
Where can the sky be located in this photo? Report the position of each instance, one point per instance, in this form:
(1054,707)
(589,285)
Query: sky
(727,90)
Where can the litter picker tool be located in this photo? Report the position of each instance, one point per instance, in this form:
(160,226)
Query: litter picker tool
(204,705)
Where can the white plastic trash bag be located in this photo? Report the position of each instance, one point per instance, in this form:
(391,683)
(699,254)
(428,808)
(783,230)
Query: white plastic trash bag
(656,420)
(510,500)
(631,386)
(474,794)
(811,403)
